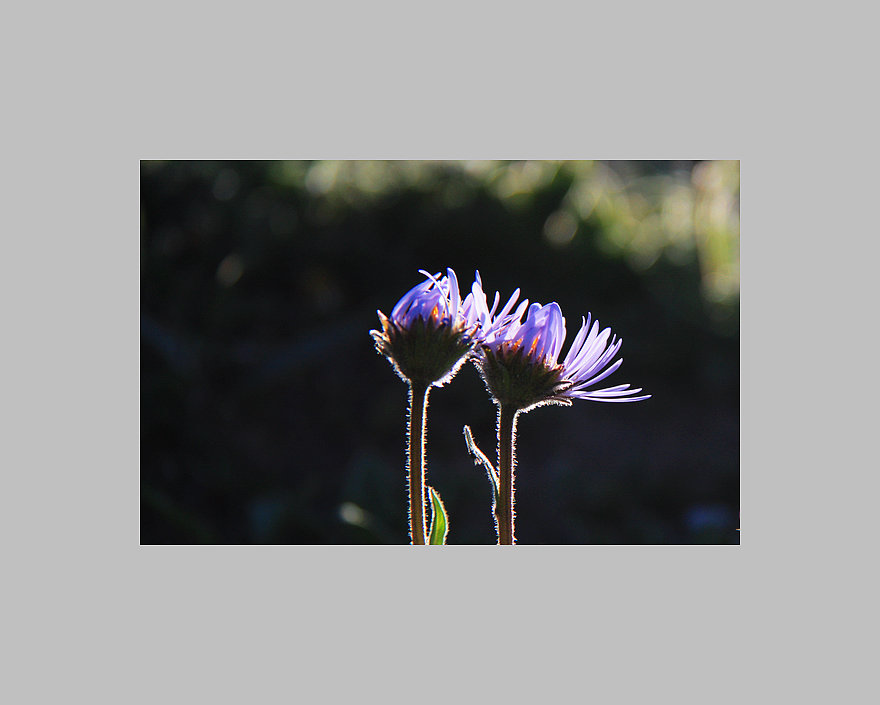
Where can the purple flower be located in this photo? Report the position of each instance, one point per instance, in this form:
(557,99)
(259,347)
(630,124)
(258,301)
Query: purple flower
(428,335)
(520,364)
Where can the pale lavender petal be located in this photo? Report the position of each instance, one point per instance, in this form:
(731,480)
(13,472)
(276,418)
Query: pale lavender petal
(618,388)
(576,343)
(494,304)
(556,329)
(585,355)
(598,378)
(507,306)
(517,315)
(455,301)
(594,366)
(439,289)
(407,299)
(593,397)
(591,355)
(617,393)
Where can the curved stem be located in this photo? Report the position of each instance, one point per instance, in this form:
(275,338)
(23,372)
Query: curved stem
(506,463)
(415,459)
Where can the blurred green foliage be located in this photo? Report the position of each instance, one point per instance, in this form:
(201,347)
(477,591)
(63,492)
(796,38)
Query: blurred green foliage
(267,416)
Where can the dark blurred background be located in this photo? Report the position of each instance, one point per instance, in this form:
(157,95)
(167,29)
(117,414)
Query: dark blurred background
(268,417)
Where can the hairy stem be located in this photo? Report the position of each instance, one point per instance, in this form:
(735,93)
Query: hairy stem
(506,464)
(415,458)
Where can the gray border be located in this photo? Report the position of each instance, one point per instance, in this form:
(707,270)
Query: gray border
(95,614)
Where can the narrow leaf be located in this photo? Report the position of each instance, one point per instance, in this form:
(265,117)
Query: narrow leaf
(439,520)
(481,459)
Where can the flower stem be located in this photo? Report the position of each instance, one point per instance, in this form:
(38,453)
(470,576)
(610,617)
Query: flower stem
(415,457)
(506,464)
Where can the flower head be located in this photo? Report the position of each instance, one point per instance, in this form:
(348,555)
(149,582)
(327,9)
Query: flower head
(428,336)
(520,361)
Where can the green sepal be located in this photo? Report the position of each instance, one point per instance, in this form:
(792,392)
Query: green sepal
(481,459)
(439,520)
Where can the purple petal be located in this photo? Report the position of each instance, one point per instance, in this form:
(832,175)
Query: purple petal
(588,382)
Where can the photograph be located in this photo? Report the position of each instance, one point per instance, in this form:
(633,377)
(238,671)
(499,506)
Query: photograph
(420,275)
(440,352)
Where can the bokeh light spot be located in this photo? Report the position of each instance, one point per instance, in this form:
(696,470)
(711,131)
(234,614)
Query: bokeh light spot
(321,177)
(560,228)
(352,514)
(229,271)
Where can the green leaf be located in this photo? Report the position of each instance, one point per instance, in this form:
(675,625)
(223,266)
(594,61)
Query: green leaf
(481,459)
(439,520)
